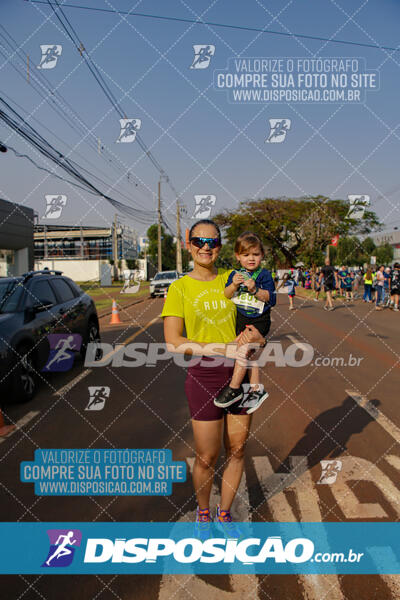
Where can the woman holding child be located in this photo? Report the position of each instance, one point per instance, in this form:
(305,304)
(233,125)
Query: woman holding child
(200,303)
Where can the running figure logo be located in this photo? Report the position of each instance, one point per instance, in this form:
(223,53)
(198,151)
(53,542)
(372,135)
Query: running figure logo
(330,471)
(97,397)
(129,127)
(358,204)
(278,130)
(50,55)
(54,206)
(203,206)
(202,56)
(62,350)
(62,547)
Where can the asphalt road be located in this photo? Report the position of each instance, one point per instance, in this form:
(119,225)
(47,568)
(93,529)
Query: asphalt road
(342,411)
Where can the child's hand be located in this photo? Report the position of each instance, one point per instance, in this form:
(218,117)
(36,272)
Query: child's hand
(237,279)
(251,285)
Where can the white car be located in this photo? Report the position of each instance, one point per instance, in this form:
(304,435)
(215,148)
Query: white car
(161,282)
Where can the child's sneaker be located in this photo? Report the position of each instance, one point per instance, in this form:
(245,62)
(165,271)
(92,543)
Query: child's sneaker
(254,400)
(228,396)
(224,521)
(203,524)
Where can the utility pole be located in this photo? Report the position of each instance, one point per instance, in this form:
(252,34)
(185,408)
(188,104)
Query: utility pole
(178,238)
(159,227)
(115,247)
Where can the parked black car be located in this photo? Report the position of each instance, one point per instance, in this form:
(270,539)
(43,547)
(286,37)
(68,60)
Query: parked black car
(33,306)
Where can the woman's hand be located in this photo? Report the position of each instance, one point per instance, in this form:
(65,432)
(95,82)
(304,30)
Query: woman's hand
(252,335)
(248,344)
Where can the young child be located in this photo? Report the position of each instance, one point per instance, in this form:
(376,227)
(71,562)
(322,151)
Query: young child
(252,289)
(290,283)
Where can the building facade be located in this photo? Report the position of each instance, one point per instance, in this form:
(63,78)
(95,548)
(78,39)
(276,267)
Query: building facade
(16,238)
(84,242)
(390,237)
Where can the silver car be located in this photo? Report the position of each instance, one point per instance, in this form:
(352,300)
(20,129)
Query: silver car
(161,282)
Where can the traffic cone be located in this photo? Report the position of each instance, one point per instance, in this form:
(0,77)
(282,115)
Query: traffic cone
(115,320)
(165,295)
(5,429)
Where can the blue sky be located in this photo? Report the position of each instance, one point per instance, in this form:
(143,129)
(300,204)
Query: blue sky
(205,144)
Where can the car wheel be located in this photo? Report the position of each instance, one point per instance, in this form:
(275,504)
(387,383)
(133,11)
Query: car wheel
(24,377)
(152,295)
(92,335)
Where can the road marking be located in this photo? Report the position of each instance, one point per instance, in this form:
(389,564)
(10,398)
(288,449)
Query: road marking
(180,587)
(21,422)
(376,414)
(360,469)
(316,587)
(68,387)
(131,337)
(299,344)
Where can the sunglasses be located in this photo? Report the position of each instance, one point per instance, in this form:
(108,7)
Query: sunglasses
(199,242)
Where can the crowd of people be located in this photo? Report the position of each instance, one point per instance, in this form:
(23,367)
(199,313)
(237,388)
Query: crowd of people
(378,284)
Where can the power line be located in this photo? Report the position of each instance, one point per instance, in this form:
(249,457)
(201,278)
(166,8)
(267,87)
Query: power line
(223,25)
(30,135)
(39,82)
(73,36)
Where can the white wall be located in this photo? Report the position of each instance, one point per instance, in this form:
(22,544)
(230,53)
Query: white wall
(77,269)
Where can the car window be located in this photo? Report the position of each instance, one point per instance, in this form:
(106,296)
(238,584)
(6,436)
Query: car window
(166,275)
(40,292)
(63,290)
(10,294)
(75,287)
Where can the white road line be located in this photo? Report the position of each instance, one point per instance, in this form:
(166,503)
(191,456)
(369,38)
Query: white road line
(68,387)
(243,587)
(316,587)
(299,344)
(129,339)
(20,423)
(376,414)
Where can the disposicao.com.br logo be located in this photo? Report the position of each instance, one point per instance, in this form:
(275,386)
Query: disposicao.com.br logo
(192,550)
(62,547)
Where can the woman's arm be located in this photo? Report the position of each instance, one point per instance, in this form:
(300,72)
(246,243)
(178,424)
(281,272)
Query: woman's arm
(230,290)
(176,342)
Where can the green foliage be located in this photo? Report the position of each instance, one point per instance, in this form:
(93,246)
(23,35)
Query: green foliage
(294,229)
(168,248)
(384,254)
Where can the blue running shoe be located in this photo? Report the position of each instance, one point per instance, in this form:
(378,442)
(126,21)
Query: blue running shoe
(225,523)
(202,525)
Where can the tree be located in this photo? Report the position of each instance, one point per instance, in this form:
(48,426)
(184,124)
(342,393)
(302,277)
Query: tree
(168,249)
(295,228)
(384,254)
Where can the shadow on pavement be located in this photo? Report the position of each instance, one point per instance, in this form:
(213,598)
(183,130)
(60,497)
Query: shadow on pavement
(325,437)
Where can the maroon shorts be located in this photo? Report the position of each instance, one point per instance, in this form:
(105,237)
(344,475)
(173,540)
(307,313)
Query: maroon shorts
(202,385)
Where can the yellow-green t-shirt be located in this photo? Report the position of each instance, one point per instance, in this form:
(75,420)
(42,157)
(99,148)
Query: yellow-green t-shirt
(209,316)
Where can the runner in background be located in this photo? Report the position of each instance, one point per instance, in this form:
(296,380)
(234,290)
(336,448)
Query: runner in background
(395,286)
(317,284)
(386,287)
(331,282)
(290,284)
(348,286)
(368,279)
(380,280)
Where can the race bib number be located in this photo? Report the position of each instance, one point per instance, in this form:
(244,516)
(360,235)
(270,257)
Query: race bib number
(248,302)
